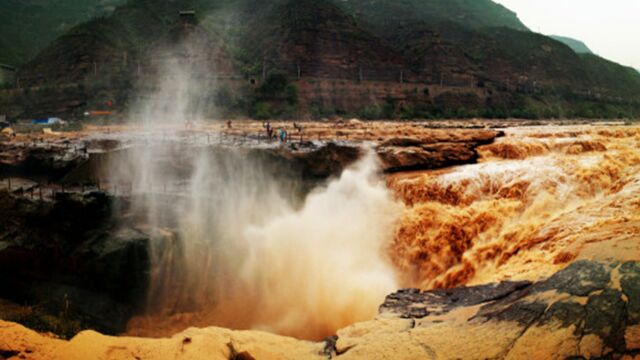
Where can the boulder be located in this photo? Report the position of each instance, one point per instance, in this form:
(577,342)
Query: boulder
(408,154)
(426,156)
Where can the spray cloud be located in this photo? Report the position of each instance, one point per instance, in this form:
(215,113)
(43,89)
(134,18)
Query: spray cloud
(233,243)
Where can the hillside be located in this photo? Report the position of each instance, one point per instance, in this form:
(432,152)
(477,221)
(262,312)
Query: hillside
(575,45)
(321,58)
(470,13)
(28,26)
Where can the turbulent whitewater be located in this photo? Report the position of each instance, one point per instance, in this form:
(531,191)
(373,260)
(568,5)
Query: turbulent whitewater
(538,199)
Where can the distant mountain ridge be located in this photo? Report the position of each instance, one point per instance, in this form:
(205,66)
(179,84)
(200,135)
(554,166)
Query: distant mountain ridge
(575,45)
(382,58)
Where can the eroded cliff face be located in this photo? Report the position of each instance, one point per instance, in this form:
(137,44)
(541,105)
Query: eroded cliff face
(70,264)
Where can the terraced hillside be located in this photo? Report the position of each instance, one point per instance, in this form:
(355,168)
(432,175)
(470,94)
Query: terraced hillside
(390,59)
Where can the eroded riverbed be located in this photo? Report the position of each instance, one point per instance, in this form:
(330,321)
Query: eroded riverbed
(432,208)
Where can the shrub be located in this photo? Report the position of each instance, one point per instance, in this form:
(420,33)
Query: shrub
(275,83)
(262,111)
(371,112)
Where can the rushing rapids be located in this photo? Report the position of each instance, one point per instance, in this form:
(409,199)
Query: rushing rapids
(538,199)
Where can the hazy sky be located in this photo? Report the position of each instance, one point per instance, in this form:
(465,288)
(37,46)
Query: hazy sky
(610,28)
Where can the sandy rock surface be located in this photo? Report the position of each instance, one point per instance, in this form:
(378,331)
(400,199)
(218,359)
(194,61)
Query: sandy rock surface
(589,310)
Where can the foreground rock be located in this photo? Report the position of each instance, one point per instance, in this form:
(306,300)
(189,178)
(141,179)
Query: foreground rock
(590,310)
(18,342)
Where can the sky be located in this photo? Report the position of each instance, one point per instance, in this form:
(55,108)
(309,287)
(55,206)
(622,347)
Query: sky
(610,28)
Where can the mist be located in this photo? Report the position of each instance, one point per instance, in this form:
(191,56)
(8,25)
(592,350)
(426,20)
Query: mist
(235,243)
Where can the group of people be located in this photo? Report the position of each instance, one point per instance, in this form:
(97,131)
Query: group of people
(281,134)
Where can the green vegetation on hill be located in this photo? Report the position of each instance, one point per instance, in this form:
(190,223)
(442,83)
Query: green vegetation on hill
(27,26)
(607,74)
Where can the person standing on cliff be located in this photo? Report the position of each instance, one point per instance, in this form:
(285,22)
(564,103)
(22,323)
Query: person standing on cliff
(269,129)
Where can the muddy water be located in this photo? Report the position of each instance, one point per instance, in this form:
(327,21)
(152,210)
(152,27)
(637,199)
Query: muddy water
(237,253)
(538,199)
